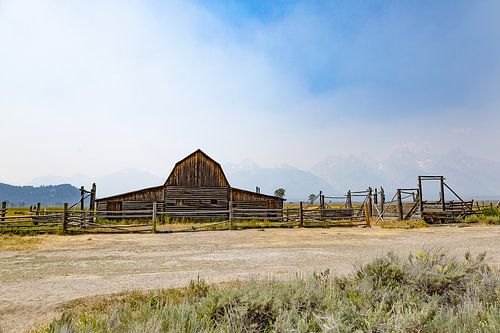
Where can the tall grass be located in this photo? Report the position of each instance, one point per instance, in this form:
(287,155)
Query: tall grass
(426,292)
(406,224)
(485,216)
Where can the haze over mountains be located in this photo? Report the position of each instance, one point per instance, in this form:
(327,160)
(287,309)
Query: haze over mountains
(468,175)
(125,180)
(51,195)
(297,183)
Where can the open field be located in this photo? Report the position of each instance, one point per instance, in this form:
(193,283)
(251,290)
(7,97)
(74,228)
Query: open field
(38,277)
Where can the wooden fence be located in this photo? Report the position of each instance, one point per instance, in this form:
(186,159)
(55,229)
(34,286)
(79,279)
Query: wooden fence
(156,219)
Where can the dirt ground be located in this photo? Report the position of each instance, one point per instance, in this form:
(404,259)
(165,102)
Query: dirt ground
(40,276)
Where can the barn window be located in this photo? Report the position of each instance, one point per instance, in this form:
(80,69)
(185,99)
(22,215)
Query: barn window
(213,201)
(179,202)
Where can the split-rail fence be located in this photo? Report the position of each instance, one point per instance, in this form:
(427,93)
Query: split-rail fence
(67,220)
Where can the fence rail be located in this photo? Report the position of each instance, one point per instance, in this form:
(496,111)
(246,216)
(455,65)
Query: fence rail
(160,220)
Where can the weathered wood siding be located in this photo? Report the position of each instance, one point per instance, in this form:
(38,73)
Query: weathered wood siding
(248,199)
(197,170)
(135,210)
(141,206)
(180,198)
(136,200)
(101,206)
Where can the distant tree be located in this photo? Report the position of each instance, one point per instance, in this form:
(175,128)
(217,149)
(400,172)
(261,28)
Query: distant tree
(280,193)
(312,198)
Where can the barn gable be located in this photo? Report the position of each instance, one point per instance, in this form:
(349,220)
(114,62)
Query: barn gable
(197,170)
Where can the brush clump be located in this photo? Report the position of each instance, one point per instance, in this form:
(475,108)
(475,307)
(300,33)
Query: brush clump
(425,292)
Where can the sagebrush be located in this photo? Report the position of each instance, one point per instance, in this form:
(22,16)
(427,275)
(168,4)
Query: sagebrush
(425,292)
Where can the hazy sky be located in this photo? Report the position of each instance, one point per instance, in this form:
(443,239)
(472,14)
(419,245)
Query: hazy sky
(96,86)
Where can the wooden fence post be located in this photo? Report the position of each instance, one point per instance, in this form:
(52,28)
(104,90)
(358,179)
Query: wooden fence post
(382,200)
(321,204)
(369,202)
(92,202)
(82,204)
(349,199)
(92,198)
(375,197)
(153,217)
(231,216)
(65,218)
(400,205)
(37,213)
(441,194)
(4,210)
(301,215)
(420,196)
(82,198)
(367,216)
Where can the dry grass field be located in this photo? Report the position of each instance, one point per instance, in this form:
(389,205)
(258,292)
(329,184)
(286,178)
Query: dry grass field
(39,275)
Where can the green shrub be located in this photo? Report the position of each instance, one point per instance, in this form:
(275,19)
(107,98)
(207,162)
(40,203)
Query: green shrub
(428,292)
(491,211)
(482,219)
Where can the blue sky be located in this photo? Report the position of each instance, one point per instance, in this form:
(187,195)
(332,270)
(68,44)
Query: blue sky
(143,83)
(428,54)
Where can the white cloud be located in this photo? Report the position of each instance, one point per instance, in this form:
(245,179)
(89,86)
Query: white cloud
(96,86)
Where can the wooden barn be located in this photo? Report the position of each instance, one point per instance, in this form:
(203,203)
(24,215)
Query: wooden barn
(197,182)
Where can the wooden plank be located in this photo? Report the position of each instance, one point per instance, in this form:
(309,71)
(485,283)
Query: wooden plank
(64,218)
(231,216)
(441,193)
(301,215)
(153,229)
(399,205)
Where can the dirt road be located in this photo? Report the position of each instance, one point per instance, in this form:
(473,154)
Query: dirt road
(35,283)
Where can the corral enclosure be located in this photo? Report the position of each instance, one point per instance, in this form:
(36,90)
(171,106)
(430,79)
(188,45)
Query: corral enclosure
(197,190)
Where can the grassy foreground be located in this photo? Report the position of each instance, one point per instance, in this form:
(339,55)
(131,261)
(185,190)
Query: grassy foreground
(426,292)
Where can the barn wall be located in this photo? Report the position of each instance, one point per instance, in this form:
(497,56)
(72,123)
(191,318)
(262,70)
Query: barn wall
(141,205)
(181,198)
(137,200)
(101,206)
(197,170)
(247,199)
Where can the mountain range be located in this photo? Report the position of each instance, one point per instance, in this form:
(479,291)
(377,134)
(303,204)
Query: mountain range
(297,183)
(468,175)
(51,195)
(125,180)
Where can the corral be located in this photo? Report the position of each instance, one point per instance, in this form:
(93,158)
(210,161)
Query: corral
(197,190)
(146,211)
